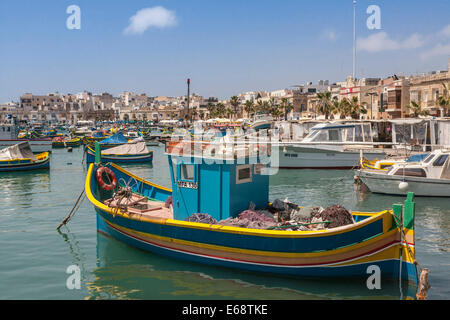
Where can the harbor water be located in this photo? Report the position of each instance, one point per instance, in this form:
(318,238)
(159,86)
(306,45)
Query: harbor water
(36,258)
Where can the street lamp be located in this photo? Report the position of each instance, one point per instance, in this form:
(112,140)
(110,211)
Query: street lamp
(371,94)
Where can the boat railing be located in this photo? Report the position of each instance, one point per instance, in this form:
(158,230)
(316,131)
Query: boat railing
(234,148)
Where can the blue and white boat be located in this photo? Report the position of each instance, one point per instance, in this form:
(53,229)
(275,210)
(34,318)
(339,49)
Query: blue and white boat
(132,152)
(156,219)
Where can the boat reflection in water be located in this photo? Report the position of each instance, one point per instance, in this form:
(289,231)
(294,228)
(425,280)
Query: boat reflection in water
(124,272)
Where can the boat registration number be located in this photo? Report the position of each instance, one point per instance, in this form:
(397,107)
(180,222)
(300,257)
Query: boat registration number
(187,184)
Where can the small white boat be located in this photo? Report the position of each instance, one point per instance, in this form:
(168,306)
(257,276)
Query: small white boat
(429,177)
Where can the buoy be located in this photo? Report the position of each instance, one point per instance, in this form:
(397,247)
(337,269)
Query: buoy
(403,185)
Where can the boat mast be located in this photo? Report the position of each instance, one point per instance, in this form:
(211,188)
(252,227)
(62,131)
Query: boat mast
(354,39)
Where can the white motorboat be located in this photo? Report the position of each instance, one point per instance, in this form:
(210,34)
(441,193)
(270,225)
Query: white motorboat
(330,146)
(429,177)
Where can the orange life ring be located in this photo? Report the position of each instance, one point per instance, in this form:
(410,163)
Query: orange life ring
(112,178)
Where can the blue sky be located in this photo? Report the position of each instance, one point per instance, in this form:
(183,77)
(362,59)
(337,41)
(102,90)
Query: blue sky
(225,47)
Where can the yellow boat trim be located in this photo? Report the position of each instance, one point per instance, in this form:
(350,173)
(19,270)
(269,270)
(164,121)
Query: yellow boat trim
(258,232)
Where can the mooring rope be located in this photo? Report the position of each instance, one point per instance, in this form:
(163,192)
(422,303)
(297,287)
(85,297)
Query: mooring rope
(72,212)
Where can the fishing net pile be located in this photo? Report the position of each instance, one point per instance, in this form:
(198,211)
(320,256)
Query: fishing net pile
(251,219)
(283,215)
(201,218)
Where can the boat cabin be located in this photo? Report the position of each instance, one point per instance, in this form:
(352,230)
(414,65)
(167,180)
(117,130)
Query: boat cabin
(336,132)
(218,187)
(434,166)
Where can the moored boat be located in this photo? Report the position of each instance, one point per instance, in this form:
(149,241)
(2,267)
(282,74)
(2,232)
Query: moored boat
(330,146)
(428,177)
(63,142)
(132,152)
(154,218)
(20,158)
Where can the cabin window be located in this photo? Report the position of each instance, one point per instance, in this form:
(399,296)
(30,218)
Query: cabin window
(243,174)
(440,161)
(358,133)
(334,135)
(411,172)
(187,172)
(428,159)
(321,136)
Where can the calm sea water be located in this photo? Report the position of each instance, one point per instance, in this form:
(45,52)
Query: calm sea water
(34,256)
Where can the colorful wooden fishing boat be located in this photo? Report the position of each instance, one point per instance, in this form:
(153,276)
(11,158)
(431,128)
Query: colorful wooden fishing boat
(383,239)
(125,153)
(61,142)
(20,158)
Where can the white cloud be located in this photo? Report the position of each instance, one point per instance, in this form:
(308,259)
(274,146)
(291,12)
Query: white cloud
(438,50)
(158,17)
(381,42)
(445,31)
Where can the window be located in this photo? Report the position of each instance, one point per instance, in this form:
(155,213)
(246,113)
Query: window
(187,172)
(243,174)
(428,159)
(411,172)
(440,161)
(334,135)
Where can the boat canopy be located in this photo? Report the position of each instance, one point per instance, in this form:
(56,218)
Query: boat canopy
(19,151)
(335,132)
(128,148)
(117,138)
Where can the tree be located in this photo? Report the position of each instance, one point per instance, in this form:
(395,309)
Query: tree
(443,100)
(416,109)
(286,106)
(325,103)
(249,107)
(234,101)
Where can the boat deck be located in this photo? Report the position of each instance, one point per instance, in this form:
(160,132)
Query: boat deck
(140,206)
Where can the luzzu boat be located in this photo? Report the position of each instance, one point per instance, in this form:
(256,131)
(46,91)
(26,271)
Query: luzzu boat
(136,152)
(20,158)
(61,142)
(383,239)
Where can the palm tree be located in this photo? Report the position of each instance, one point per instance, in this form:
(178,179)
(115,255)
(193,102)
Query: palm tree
(234,101)
(416,109)
(249,107)
(220,110)
(340,107)
(326,105)
(443,100)
(211,109)
(287,107)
